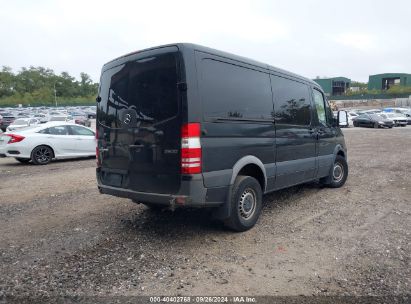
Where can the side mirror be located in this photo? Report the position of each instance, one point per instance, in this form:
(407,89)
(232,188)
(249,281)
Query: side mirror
(342,119)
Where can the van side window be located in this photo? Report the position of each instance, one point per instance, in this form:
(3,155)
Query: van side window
(320,107)
(231,91)
(292,103)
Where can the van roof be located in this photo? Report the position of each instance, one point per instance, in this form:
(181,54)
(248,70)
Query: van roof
(197,47)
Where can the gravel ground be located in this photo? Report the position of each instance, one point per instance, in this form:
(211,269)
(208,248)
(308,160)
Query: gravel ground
(59,236)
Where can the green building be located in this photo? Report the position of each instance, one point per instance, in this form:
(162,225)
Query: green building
(385,81)
(334,86)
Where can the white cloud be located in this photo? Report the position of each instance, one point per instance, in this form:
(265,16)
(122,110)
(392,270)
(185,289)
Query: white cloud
(360,41)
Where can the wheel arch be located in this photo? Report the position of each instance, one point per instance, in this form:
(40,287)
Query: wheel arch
(45,145)
(251,166)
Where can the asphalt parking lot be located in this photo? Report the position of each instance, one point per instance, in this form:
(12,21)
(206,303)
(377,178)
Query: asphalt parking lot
(59,236)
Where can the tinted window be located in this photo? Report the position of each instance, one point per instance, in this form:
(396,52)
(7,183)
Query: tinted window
(230,91)
(58,130)
(320,107)
(145,89)
(75,130)
(292,102)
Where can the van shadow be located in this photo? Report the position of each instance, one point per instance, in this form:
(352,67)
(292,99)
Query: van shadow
(15,163)
(184,223)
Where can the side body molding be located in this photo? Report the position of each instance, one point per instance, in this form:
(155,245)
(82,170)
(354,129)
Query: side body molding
(246,160)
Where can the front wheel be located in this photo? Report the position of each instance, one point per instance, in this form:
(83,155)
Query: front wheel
(338,173)
(246,203)
(42,155)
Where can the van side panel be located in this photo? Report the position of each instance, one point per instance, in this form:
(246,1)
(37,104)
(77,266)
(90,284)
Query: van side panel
(237,121)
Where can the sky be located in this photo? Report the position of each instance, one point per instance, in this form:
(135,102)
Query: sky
(312,38)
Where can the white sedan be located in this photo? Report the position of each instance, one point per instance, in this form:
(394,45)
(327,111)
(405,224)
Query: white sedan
(397,118)
(22,123)
(52,140)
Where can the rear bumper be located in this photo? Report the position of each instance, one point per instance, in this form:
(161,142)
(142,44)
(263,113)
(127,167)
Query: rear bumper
(192,193)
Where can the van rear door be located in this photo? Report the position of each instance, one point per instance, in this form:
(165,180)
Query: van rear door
(139,122)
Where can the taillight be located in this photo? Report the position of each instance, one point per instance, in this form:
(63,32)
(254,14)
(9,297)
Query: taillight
(190,148)
(14,138)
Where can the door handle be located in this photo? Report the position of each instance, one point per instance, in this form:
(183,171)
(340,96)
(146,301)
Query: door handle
(136,146)
(103,150)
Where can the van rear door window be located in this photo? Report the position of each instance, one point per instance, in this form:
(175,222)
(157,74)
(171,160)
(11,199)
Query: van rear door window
(236,92)
(143,90)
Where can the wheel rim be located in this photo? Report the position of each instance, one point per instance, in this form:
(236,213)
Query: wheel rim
(43,155)
(338,172)
(247,203)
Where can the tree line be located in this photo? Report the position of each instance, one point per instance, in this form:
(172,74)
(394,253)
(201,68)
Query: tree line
(41,86)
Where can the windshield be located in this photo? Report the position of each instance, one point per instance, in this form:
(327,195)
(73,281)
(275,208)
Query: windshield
(138,92)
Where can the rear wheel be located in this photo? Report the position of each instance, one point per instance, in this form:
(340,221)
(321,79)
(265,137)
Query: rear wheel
(22,160)
(246,203)
(42,155)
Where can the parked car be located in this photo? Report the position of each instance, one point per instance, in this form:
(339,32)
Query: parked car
(22,123)
(52,140)
(81,119)
(398,119)
(404,111)
(373,111)
(43,118)
(372,121)
(185,125)
(7,119)
(91,114)
(351,116)
(66,118)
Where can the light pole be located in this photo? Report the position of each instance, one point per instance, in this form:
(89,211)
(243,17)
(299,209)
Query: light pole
(55,94)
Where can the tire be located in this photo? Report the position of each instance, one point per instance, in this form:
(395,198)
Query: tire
(42,155)
(336,180)
(22,160)
(245,204)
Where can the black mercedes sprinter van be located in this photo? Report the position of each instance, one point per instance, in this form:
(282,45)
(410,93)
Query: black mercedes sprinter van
(185,125)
